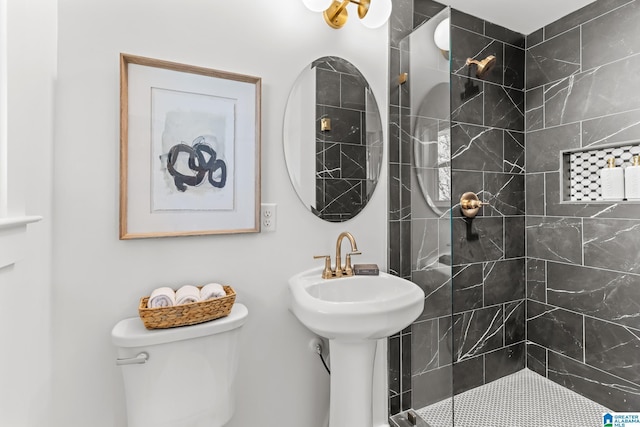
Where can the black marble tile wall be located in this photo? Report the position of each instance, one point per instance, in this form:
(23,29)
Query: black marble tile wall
(556,329)
(514,236)
(602,294)
(488,158)
(583,268)
(609,390)
(554,238)
(611,129)
(476,148)
(536,358)
(505,361)
(557,58)
(468,374)
(477,332)
(514,323)
(467,282)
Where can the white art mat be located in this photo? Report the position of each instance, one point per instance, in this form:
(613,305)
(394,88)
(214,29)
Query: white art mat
(192,151)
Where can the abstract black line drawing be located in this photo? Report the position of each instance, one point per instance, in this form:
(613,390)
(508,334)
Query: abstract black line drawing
(198,163)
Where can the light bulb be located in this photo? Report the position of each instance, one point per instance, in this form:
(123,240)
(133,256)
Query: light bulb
(441,35)
(317,5)
(378,14)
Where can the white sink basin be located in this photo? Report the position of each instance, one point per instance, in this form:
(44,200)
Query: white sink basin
(356,307)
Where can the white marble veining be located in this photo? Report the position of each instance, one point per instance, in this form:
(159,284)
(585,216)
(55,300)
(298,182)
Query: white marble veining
(464,350)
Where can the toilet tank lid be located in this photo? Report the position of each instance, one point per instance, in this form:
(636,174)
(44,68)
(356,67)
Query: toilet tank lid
(132,333)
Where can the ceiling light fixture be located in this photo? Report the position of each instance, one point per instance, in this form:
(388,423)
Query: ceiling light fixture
(372,13)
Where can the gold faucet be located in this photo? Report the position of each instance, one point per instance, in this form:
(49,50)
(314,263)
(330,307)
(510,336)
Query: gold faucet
(348,270)
(339,271)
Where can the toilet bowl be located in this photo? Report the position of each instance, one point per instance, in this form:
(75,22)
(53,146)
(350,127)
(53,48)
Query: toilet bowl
(179,377)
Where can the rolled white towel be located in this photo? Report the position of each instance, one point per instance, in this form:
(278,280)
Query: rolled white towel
(187,294)
(212,290)
(162,297)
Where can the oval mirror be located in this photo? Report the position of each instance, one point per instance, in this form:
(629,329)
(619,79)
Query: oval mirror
(333,140)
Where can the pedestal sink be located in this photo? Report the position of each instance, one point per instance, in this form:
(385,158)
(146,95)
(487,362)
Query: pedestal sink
(353,313)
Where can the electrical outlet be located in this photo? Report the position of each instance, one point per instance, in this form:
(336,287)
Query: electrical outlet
(268,217)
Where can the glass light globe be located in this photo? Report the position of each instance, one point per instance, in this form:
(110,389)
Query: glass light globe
(317,5)
(378,14)
(441,35)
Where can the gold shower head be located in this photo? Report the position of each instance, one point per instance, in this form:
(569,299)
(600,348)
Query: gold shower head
(484,66)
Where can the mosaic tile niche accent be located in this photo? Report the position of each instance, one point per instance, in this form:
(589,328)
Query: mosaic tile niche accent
(582,170)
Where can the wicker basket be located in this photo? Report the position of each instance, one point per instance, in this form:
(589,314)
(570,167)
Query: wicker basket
(186,314)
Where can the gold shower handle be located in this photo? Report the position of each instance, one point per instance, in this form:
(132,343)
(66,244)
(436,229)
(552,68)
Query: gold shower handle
(470,204)
(484,66)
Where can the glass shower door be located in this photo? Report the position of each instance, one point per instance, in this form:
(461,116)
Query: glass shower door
(427,134)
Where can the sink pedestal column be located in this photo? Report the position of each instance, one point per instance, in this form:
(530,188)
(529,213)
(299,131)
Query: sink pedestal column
(351,383)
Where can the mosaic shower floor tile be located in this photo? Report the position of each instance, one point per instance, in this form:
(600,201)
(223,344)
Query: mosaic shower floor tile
(523,399)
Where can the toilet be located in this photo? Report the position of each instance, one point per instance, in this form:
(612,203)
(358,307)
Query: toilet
(179,377)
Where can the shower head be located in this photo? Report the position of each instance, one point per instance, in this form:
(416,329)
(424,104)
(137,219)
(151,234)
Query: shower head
(484,66)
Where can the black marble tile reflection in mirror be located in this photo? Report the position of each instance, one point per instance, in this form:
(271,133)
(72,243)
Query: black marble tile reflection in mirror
(345,148)
(341,152)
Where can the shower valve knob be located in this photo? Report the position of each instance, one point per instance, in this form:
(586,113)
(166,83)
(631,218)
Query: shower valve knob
(470,204)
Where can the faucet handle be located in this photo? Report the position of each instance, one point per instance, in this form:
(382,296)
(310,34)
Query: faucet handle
(348,269)
(327,273)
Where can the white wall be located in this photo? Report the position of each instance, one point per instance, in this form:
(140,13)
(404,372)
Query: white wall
(25,288)
(98,279)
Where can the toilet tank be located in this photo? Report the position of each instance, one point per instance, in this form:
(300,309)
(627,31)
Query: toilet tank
(188,377)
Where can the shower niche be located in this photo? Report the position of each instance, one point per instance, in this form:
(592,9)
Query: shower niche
(581,181)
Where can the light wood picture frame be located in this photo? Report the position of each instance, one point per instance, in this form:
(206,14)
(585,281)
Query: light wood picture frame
(189,150)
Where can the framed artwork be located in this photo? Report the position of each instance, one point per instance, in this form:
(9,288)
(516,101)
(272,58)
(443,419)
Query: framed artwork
(189,150)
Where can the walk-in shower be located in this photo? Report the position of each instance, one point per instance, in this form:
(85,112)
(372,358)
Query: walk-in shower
(531,315)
